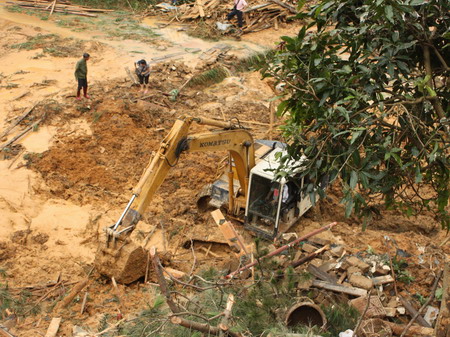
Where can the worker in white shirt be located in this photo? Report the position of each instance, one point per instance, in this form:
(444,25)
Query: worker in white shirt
(239,5)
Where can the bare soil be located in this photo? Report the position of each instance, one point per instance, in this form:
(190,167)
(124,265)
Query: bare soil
(64,182)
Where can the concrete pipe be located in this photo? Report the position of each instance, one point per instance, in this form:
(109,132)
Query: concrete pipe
(305,313)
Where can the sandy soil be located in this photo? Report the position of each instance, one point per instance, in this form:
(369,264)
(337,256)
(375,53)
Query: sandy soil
(63,183)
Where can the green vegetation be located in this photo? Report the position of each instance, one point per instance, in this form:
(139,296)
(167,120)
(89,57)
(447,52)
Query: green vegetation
(134,5)
(401,274)
(51,44)
(20,304)
(211,76)
(367,102)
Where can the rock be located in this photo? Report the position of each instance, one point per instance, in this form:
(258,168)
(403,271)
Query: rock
(401,310)
(354,261)
(79,332)
(353,270)
(337,250)
(360,281)
(431,314)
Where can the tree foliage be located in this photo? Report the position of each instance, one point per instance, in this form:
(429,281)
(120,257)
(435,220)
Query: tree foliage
(367,102)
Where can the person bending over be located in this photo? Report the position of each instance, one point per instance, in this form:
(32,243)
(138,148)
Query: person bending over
(143,72)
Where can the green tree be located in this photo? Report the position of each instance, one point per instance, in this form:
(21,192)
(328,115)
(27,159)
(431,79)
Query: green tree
(367,102)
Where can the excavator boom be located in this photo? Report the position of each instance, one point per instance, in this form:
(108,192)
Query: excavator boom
(237,141)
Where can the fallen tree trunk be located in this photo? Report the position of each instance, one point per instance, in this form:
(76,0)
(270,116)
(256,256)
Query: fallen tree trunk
(74,292)
(202,327)
(413,331)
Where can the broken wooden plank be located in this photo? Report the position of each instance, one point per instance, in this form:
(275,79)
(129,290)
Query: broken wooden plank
(53,8)
(340,288)
(201,11)
(317,272)
(285,5)
(234,239)
(382,280)
(412,312)
(53,327)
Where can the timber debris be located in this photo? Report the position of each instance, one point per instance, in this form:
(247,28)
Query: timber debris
(257,17)
(58,6)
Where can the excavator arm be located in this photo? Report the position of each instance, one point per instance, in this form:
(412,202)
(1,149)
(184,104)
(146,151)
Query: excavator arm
(237,141)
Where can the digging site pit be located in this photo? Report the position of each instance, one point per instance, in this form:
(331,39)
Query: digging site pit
(71,176)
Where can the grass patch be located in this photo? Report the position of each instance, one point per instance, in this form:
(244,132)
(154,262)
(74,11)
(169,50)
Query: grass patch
(254,61)
(51,44)
(211,76)
(218,73)
(116,4)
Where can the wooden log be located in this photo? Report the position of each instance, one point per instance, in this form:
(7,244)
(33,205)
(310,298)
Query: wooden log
(285,5)
(413,331)
(412,311)
(53,8)
(253,8)
(223,326)
(74,292)
(54,327)
(5,333)
(340,288)
(22,117)
(162,281)
(62,11)
(201,12)
(18,136)
(443,320)
(83,304)
(308,257)
(202,327)
(321,274)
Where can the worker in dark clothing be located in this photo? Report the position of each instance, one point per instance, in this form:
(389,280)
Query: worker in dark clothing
(239,5)
(143,73)
(81,76)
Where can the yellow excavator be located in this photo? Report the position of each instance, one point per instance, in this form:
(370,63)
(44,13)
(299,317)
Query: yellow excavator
(271,207)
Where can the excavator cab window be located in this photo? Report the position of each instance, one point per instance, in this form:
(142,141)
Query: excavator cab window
(264,203)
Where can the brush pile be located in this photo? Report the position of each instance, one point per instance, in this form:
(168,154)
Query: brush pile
(57,6)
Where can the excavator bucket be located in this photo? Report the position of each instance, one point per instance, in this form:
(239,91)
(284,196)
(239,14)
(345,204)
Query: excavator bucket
(125,261)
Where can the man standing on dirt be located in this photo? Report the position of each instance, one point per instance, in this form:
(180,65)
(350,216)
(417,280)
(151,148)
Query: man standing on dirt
(81,76)
(239,5)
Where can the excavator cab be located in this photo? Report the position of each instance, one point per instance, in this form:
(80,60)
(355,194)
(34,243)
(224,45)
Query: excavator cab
(273,206)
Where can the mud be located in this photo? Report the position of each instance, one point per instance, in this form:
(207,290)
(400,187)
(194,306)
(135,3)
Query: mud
(61,184)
